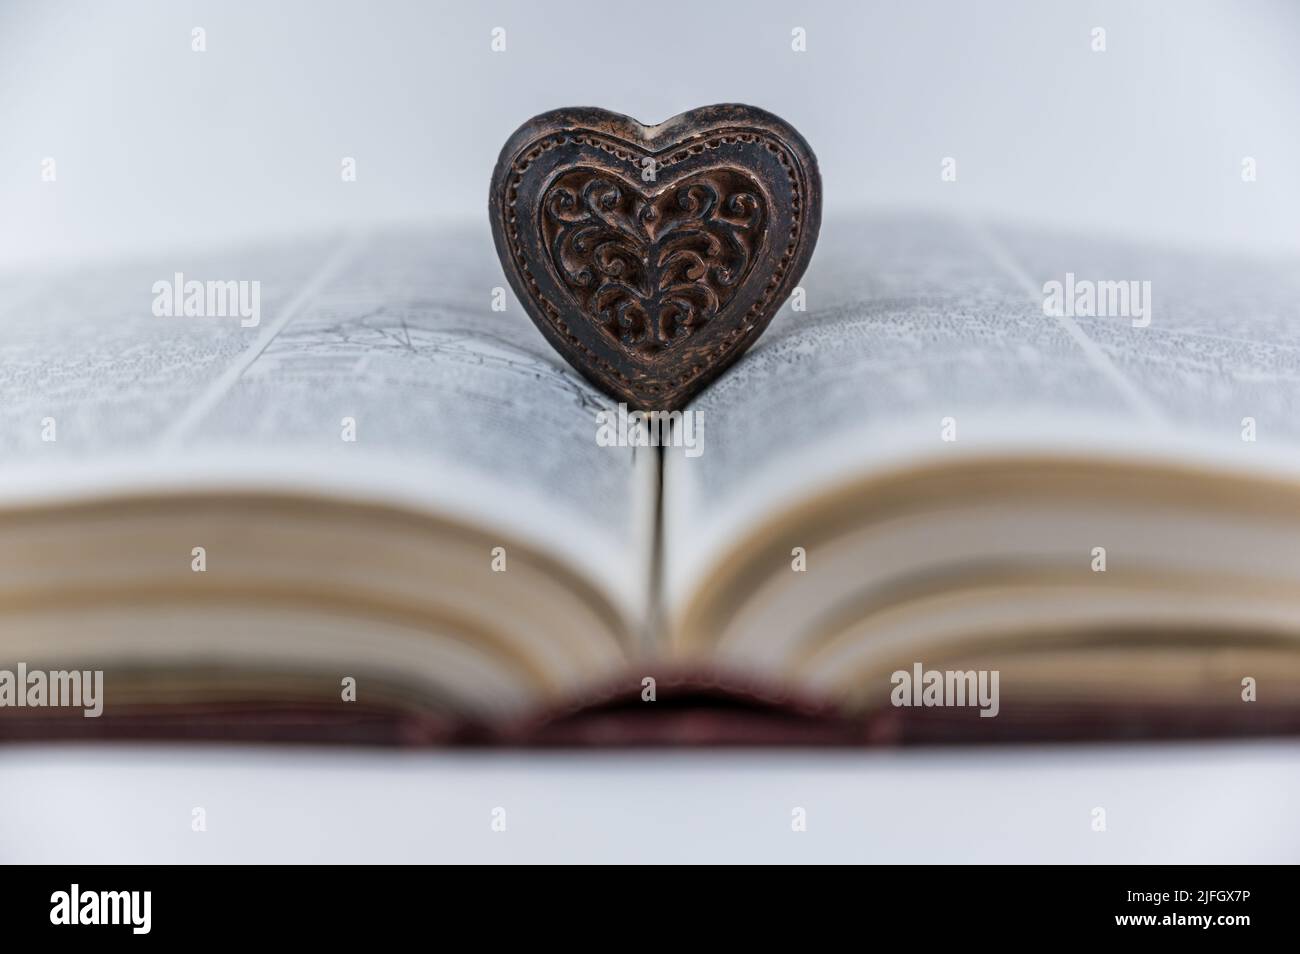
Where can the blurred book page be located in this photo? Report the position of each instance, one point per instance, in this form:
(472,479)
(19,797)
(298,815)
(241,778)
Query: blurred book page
(925,339)
(376,367)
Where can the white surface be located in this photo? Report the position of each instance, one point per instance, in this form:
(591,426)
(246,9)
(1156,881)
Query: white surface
(1203,803)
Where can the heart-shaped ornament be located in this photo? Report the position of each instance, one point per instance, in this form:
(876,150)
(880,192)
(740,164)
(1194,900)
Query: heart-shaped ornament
(651,257)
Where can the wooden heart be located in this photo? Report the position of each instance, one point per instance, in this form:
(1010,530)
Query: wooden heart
(651,257)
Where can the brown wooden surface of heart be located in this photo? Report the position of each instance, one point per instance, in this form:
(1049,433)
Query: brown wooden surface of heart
(651,257)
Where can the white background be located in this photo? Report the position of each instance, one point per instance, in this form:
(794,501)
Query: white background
(156,145)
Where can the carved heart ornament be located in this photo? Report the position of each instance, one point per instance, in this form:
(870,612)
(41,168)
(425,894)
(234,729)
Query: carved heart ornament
(651,257)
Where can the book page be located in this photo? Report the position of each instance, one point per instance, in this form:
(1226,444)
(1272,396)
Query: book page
(374,366)
(927,338)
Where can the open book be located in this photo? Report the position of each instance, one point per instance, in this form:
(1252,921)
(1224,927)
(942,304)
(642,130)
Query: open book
(381,511)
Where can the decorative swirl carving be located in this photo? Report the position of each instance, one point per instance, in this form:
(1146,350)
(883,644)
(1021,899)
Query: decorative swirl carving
(650,269)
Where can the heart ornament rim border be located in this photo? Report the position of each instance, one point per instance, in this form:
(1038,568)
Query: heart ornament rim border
(630,140)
